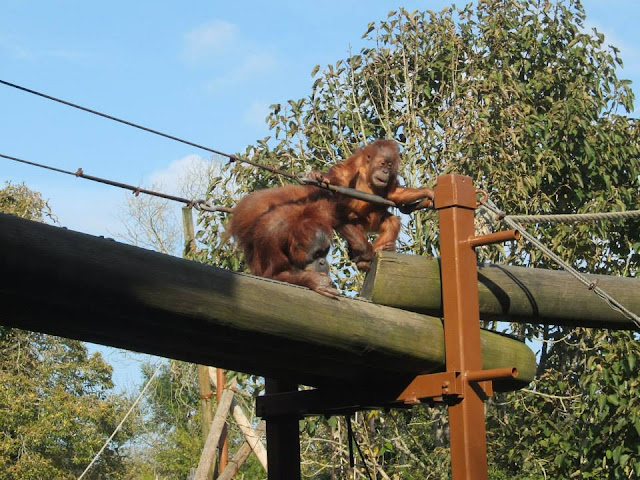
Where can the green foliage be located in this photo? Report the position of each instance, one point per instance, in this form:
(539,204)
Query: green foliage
(172,443)
(19,200)
(55,409)
(587,420)
(216,249)
(520,96)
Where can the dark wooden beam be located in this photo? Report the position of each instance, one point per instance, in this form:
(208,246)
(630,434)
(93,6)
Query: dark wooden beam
(512,294)
(94,289)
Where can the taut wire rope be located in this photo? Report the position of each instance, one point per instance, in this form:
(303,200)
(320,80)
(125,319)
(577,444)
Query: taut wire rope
(368,197)
(613,303)
(199,204)
(106,444)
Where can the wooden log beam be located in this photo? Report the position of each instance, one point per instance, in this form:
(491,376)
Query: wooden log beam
(207,457)
(75,285)
(512,294)
(243,453)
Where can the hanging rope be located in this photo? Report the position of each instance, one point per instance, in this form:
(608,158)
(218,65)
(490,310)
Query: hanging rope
(613,303)
(352,440)
(155,373)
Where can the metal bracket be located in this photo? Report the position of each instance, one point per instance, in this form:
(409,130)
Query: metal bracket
(449,387)
(444,387)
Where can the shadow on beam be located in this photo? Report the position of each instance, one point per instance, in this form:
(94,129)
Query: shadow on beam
(76,285)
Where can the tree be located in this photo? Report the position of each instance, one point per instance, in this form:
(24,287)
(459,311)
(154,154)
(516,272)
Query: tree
(521,97)
(19,200)
(171,441)
(156,223)
(56,409)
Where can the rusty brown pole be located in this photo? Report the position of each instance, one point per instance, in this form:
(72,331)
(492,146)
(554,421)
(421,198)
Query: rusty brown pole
(455,200)
(203,371)
(223,444)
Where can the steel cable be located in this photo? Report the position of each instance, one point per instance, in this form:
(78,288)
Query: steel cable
(613,303)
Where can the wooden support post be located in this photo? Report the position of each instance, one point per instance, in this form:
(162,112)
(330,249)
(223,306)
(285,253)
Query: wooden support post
(243,452)
(252,437)
(203,370)
(209,451)
(205,399)
(455,200)
(188,232)
(205,405)
(283,438)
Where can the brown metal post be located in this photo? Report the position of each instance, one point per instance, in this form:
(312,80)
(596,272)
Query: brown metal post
(203,371)
(223,444)
(283,438)
(455,200)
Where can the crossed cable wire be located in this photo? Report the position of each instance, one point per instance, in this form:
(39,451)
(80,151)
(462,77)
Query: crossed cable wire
(514,222)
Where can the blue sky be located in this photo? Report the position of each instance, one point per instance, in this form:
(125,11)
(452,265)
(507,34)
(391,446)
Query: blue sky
(205,71)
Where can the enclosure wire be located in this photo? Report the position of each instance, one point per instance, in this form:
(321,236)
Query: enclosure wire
(155,373)
(369,197)
(612,302)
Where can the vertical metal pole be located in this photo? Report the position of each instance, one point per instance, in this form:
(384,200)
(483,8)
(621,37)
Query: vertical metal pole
(204,384)
(283,438)
(223,443)
(455,200)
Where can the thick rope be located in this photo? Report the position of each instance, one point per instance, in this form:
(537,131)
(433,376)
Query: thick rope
(578,217)
(613,303)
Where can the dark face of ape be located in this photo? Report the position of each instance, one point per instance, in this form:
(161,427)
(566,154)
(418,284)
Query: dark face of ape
(383,164)
(317,253)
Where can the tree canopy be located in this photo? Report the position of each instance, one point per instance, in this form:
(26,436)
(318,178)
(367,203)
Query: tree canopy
(524,98)
(56,407)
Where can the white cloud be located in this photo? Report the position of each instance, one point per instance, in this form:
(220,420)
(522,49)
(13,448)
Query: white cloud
(17,50)
(252,65)
(209,39)
(87,208)
(67,54)
(172,178)
(256,114)
(233,58)
(13,48)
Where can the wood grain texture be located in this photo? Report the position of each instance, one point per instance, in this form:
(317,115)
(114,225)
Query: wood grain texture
(76,285)
(513,294)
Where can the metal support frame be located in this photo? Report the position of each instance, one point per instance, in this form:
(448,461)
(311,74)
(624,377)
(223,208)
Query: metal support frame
(456,201)
(223,444)
(464,386)
(283,437)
